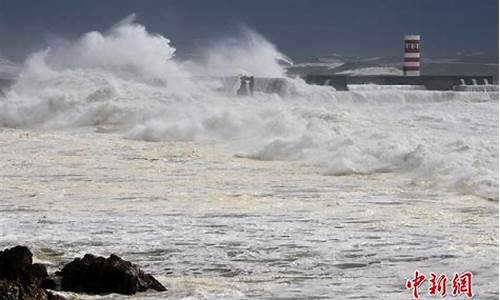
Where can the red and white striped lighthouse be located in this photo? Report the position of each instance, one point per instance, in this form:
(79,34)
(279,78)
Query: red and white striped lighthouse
(412,55)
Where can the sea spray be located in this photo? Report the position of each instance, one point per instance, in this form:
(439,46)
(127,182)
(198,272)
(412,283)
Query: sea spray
(129,81)
(246,54)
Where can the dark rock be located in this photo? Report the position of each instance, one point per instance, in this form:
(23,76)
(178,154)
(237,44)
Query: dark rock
(10,290)
(20,279)
(15,264)
(99,275)
(40,277)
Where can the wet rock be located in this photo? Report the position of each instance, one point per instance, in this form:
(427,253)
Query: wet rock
(10,290)
(20,279)
(98,275)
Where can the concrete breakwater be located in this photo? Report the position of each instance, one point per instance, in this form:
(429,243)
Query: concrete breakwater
(439,83)
(345,83)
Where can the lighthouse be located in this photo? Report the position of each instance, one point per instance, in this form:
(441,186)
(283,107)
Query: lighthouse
(412,55)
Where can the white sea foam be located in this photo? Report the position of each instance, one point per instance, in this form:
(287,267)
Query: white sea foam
(373,71)
(248,54)
(374,87)
(129,81)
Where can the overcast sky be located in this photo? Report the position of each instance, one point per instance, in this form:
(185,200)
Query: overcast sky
(300,28)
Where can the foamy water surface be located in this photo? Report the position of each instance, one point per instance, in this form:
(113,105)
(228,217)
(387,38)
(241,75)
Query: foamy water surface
(298,192)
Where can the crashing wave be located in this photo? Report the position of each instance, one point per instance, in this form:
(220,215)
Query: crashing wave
(129,81)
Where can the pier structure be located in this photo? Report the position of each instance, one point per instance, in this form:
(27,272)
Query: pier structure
(246,86)
(342,82)
(430,82)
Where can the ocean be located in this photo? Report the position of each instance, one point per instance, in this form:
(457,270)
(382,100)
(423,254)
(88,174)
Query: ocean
(110,144)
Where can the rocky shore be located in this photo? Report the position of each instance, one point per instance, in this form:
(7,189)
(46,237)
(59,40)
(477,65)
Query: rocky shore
(21,279)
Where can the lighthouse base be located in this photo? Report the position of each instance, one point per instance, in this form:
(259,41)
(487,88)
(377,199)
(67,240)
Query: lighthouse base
(412,73)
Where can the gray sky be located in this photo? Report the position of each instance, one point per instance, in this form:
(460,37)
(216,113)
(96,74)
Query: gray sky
(300,28)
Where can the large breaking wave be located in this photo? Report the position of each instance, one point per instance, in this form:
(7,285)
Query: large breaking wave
(128,80)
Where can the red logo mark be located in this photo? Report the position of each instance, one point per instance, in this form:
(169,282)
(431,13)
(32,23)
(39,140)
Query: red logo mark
(461,284)
(438,284)
(415,283)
